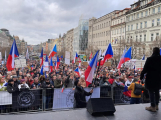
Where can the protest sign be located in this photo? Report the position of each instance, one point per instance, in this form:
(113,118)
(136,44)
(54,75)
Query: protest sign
(67,57)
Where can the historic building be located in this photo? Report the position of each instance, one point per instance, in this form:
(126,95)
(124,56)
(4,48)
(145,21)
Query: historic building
(143,26)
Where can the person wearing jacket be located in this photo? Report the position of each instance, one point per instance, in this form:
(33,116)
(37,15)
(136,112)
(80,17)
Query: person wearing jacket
(79,95)
(152,69)
(36,84)
(135,99)
(2,84)
(82,81)
(58,82)
(23,85)
(11,87)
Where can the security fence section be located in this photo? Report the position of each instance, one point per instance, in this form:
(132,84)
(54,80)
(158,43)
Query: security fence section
(49,99)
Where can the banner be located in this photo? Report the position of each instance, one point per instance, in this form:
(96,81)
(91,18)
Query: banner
(66,99)
(26,98)
(23,62)
(6,98)
(119,97)
(67,57)
(20,63)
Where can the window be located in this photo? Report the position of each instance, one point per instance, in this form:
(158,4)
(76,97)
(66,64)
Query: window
(153,10)
(121,20)
(131,27)
(136,25)
(152,23)
(141,14)
(145,24)
(120,30)
(136,38)
(152,37)
(146,13)
(159,9)
(138,15)
(158,21)
(117,31)
(123,30)
(145,38)
(141,25)
(140,38)
(107,33)
(128,27)
(132,17)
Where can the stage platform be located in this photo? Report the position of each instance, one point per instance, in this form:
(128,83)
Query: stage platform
(123,112)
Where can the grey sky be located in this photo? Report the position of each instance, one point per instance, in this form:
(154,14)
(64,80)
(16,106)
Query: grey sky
(38,20)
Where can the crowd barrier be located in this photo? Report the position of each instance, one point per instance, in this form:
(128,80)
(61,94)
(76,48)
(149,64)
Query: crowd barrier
(49,99)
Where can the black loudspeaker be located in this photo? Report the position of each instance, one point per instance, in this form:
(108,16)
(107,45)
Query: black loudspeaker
(100,106)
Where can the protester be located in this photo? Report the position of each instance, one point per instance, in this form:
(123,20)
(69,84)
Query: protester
(3,84)
(152,69)
(129,81)
(11,87)
(58,82)
(82,81)
(23,85)
(36,84)
(79,95)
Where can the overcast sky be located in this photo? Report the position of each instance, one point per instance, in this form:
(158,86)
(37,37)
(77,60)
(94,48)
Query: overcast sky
(39,20)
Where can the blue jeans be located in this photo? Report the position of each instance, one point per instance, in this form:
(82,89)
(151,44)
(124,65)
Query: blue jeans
(46,101)
(135,100)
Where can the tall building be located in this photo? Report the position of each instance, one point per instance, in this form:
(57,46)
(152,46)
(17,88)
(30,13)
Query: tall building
(80,40)
(143,26)
(118,25)
(68,41)
(99,34)
(5,38)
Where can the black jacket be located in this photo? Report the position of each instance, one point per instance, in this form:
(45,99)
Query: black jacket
(12,88)
(79,95)
(152,69)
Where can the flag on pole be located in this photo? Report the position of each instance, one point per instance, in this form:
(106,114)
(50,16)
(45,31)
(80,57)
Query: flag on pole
(41,58)
(62,89)
(75,57)
(58,62)
(125,57)
(77,71)
(61,57)
(32,67)
(55,65)
(45,75)
(143,58)
(11,58)
(27,54)
(41,71)
(53,52)
(51,65)
(89,73)
(108,53)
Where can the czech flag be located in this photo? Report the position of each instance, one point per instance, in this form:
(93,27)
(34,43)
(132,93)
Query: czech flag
(55,66)
(90,56)
(11,58)
(89,73)
(143,58)
(41,58)
(46,64)
(125,57)
(62,89)
(127,92)
(41,71)
(32,67)
(53,52)
(61,57)
(77,71)
(76,56)
(58,62)
(108,53)
(51,65)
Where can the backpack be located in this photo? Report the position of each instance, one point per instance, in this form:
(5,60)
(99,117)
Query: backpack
(138,89)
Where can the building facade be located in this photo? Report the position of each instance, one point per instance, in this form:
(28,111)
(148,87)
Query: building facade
(80,39)
(143,26)
(68,41)
(118,26)
(99,34)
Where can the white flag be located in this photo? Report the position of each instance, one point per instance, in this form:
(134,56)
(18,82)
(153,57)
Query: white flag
(27,54)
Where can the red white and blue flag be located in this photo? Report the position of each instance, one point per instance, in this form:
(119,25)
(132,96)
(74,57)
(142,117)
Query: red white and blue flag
(58,62)
(53,52)
(75,57)
(77,71)
(51,65)
(55,65)
(108,53)
(32,67)
(125,57)
(89,73)
(13,54)
(127,92)
(46,64)
(41,58)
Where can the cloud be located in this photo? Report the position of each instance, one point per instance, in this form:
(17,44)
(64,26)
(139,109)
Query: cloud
(38,20)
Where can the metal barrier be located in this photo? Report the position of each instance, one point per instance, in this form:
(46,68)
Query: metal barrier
(43,99)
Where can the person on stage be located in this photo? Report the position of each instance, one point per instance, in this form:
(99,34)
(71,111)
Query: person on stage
(152,69)
(79,95)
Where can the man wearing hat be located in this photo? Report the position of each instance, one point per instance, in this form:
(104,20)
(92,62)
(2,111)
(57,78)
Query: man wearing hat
(11,87)
(79,95)
(129,81)
(16,82)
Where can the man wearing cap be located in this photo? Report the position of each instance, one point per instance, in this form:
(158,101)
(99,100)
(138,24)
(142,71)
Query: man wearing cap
(129,81)
(117,82)
(79,95)
(16,82)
